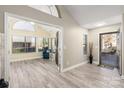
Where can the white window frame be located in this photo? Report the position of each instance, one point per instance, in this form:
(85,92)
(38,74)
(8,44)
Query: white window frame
(7,50)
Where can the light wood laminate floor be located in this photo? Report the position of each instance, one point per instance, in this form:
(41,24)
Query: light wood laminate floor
(42,74)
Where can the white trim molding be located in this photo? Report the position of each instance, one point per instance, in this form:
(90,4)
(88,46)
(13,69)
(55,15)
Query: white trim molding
(74,66)
(30,58)
(96,62)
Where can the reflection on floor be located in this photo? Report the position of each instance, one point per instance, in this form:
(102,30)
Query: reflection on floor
(37,73)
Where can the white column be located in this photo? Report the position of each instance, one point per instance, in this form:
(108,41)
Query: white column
(122,52)
(2,45)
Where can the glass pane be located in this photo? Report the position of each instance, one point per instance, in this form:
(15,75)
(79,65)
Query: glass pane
(49,9)
(53,44)
(109,42)
(30,44)
(50,41)
(85,44)
(24,26)
(18,44)
(53,10)
(45,42)
(40,44)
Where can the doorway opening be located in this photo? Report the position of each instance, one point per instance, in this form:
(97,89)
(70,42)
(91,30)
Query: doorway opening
(110,49)
(28,40)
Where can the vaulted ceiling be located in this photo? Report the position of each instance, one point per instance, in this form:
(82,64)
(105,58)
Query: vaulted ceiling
(92,16)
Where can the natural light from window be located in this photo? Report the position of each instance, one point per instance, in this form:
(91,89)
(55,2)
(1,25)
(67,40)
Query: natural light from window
(23,25)
(49,9)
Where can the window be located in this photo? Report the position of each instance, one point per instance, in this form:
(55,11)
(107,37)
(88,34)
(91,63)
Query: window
(43,42)
(53,10)
(23,44)
(53,44)
(47,42)
(30,44)
(18,44)
(49,9)
(23,25)
(85,44)
(40,44)
(109,42)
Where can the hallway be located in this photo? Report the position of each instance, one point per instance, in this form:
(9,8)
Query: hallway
(37,73)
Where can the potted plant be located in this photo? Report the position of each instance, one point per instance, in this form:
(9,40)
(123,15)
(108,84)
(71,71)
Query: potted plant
(90,52)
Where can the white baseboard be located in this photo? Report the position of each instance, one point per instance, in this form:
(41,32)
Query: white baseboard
(96,62)
(16,60)
(74,66)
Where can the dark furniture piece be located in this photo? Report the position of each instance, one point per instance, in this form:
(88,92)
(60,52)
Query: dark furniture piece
(45,53)
(4,84)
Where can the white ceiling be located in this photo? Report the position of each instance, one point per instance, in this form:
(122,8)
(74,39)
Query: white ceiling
(92,16)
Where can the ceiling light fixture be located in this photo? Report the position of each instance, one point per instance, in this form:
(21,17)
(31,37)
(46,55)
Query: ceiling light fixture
(100,24)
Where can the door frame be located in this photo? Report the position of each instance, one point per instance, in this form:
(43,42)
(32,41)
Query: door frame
(7,51)
(100,44)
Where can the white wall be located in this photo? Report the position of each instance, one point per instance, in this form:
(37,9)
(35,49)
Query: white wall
(94,37)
